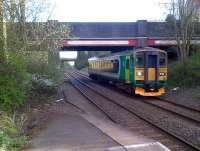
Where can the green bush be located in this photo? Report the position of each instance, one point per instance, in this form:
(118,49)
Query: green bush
(37,67)
(13,83)
(44,77)
(11,136)
(187,74)
(43,69)
(41,84)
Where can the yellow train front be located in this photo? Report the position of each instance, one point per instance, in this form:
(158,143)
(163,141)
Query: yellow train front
(144,70)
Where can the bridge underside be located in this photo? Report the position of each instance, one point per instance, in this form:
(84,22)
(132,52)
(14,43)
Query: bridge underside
(116,45)
(98,48)
(68,60)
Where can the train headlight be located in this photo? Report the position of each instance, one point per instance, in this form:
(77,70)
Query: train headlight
(162,74)
(139,73)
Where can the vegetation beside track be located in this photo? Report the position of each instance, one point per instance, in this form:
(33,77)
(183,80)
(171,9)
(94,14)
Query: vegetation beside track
(11,132)
(185,74)
(21,83)
(29,66)
(13,85)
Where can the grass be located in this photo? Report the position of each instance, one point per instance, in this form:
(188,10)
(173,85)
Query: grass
(11,132)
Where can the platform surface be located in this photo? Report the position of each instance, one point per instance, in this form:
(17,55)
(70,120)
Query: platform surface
(89,133)
(71,133)
(128,140)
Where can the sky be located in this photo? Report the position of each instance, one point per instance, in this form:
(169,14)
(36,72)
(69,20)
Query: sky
(107,11)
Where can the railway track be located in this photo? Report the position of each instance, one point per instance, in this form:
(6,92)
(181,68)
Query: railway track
(65,99)
(156,98)
(188,113)
(178,104)
(78,83)
(82,91)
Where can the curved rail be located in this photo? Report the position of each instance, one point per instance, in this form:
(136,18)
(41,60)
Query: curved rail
(177,104)
(90,99)
(192,112)
(137,114)
(188,114)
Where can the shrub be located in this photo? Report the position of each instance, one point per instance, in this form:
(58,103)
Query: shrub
(13,83)
(41,84)
(45,76)
(11,136)
(45,70)
(187,74)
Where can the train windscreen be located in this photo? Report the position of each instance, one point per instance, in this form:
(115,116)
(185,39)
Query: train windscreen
(152,61)
(139,60)
(162,60)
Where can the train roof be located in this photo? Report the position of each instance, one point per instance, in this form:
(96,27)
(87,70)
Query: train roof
(149,49)
(93,58)
(127,52)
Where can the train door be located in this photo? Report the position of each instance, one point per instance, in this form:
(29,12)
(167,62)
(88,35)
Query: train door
(132,69)
(127,70)
(152,66)
(122,68)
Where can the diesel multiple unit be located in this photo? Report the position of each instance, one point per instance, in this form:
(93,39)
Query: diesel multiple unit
(143,70)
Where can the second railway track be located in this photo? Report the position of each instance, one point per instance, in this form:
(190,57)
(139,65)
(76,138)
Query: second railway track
(178,109)
(87,87)
(171,102)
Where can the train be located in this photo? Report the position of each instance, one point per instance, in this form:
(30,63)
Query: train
(142,70)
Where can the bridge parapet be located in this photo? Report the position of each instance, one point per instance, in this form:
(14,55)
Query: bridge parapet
(141,28)
(122,35)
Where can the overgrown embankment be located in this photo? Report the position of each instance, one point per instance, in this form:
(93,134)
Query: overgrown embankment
(185,74)
(13,90)
(22,80)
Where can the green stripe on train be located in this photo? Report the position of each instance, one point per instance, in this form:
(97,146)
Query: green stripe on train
(122,68)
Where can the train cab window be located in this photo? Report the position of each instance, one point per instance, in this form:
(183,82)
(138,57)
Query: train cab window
(152,61)
(115,66)
(139,61)
(162,62)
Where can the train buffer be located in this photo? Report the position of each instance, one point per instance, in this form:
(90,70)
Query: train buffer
(86,132)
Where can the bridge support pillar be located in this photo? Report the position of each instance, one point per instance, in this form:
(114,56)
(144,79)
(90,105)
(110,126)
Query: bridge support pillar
(142,28)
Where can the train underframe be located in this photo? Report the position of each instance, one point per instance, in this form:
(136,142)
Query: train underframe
(150,89)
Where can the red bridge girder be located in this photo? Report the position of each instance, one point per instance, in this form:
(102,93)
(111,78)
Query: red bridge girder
(132,42)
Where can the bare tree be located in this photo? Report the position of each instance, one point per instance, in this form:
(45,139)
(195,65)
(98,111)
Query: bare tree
(186,15)
(26,31)
(22,20)
(1,32)
(24,26)
(16,14)
(3,36)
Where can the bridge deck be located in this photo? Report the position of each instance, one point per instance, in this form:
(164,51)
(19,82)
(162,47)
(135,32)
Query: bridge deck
(109,44)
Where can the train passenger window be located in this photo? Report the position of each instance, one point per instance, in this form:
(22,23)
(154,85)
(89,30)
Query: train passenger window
(139,61)
(115,66)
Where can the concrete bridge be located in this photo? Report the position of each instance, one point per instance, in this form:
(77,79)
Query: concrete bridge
(117,36)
